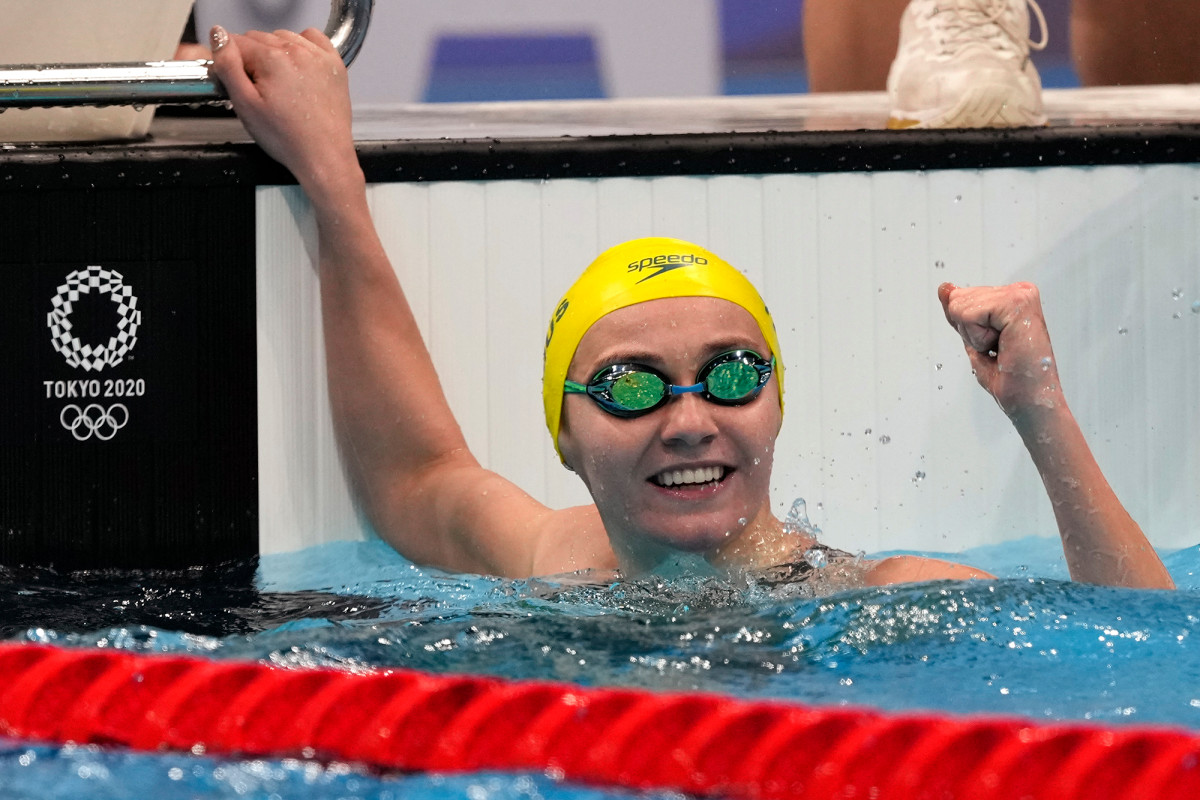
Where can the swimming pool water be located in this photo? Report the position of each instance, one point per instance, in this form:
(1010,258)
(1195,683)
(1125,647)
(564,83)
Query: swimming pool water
(1029,644)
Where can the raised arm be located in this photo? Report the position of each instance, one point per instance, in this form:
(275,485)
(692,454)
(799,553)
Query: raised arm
(421,487)
(1006,340)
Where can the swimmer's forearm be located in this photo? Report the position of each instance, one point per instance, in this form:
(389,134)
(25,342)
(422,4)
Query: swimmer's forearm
(380,372)
(1101,541)
(391,416)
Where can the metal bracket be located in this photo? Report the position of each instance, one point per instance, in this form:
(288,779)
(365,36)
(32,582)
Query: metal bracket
(155,82)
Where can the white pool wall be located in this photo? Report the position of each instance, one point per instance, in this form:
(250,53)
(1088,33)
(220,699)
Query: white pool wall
(879,390)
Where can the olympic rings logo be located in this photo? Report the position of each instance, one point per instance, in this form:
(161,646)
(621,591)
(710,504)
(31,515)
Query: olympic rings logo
(94,420)
(89,356)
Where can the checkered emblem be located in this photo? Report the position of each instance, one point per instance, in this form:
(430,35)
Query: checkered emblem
(94,357)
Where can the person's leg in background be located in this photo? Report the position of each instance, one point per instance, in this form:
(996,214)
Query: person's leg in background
(1135,41)
(849,44)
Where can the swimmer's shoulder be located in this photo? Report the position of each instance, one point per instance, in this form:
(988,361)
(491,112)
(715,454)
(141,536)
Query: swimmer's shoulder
(483,523)
(915,569)
(573,540)
(839,570)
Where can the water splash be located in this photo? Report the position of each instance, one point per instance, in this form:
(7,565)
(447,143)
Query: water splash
(797,522)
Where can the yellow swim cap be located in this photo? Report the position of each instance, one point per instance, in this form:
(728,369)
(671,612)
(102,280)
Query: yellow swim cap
(632,273)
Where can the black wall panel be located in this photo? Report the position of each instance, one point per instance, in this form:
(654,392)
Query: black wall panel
(133,442)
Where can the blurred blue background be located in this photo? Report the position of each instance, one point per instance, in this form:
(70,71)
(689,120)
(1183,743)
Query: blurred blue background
(762,53)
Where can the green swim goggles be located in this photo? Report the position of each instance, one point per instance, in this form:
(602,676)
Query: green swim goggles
(630,390)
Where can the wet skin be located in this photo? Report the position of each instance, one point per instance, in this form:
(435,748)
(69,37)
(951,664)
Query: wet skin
(622,461)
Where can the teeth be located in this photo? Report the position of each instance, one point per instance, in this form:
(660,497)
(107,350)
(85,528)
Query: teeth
(681,476)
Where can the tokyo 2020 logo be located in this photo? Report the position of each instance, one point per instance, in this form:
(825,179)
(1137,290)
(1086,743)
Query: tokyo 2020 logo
(94,420)
(94,356)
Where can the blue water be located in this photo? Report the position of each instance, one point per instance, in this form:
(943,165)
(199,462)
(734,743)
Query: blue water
(1030,644)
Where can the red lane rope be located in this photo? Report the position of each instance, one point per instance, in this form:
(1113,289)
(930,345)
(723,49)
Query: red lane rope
(699,744)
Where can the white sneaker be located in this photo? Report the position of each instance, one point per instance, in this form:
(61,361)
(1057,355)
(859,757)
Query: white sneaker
(965,64)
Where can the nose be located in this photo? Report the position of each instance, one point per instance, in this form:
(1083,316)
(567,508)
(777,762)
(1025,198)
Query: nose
(688,421)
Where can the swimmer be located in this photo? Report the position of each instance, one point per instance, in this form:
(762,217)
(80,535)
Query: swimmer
(663,387)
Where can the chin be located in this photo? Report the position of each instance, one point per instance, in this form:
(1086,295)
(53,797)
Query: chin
(694,536)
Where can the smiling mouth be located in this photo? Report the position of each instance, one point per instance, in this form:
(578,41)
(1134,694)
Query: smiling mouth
(703,476)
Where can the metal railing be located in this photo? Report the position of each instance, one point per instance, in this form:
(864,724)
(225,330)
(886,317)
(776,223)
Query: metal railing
(155,82)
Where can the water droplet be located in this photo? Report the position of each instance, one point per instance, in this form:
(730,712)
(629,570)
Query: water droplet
(797,522)
(937,367)
(867,432)
(1196,307)
(884,439)
(939,264)
(1046,363)
(742,521)
(1122,330)
(1176,294)
(816,558)
(1176,315)
(958,198)
(920,476)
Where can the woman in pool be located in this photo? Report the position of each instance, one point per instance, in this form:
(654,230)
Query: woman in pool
(663,387)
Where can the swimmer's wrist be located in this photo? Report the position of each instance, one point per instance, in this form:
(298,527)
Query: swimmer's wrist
(1043,427)
(330,187)
(1042,406)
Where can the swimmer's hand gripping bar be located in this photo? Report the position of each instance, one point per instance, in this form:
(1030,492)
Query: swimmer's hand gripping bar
(156,82)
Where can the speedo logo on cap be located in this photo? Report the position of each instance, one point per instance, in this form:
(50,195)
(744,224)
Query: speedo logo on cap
(664,263)
(556,318)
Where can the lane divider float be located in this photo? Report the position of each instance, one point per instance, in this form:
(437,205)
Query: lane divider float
(700,744)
